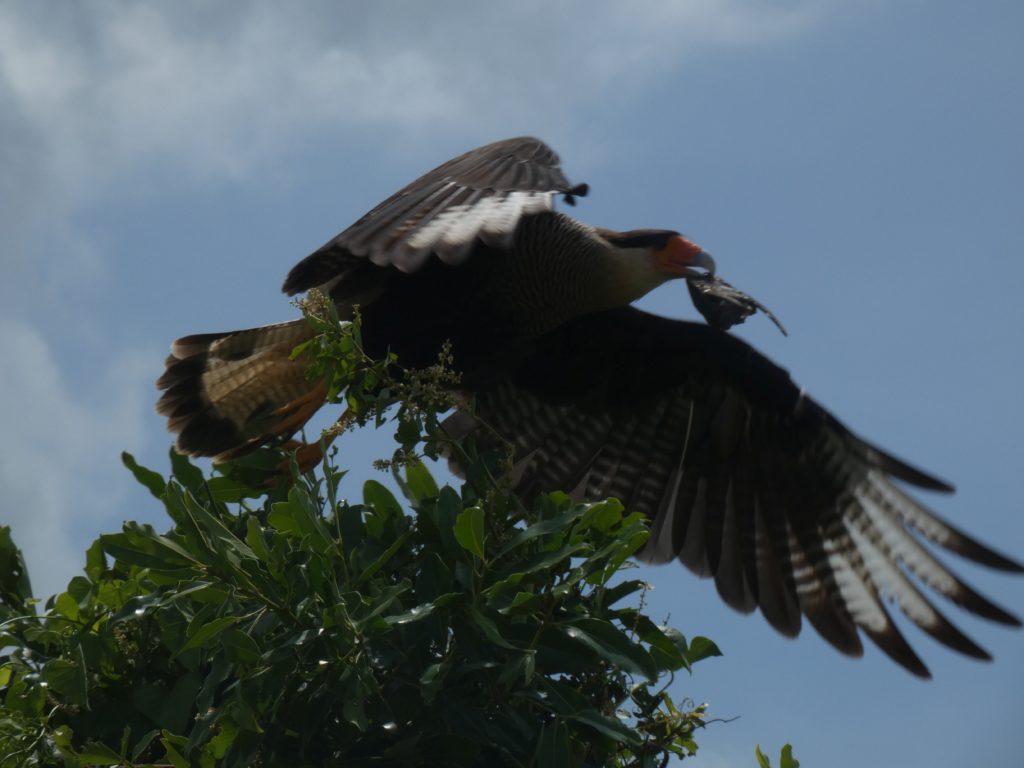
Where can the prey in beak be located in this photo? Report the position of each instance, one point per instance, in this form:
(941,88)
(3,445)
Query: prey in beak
(722,305)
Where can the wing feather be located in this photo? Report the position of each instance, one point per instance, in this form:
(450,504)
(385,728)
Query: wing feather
(480,195)
(744,478)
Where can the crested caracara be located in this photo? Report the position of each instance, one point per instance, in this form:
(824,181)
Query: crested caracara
(745,478)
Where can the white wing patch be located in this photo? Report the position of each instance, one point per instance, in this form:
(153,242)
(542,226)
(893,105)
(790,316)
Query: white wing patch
(858,595)
(452,233)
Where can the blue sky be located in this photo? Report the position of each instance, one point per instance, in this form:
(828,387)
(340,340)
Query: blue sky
(857,166)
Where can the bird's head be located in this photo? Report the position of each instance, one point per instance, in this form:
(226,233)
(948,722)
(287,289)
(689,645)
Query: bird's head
(668,252)
(676,256)
(653,256)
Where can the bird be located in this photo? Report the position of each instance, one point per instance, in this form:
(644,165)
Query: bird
(744,477)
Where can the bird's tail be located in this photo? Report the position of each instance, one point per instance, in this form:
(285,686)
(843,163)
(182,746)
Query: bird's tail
(228,393)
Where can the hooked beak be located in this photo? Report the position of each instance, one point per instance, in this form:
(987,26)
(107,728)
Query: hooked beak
(681,258)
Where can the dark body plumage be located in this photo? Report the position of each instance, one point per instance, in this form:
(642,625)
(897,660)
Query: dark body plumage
(744,477)
(495,300)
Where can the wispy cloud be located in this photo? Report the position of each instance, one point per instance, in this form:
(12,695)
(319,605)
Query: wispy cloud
(104,84)
(61,447)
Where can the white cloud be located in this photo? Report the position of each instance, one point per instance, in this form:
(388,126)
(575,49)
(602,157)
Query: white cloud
(60,449)
(106,84)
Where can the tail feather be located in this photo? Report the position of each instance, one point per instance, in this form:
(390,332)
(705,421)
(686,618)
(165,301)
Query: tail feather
(227,393)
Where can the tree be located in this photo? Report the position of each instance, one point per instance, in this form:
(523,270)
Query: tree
(282,625)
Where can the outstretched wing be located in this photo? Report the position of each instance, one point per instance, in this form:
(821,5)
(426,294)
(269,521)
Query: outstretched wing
(481,194)
(744,477)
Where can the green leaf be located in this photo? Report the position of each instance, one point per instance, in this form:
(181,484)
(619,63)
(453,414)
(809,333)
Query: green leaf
(604,514)
(544,528)
(612,595)
(68,679)
(701,648)
(503,585)
(613,646)
(25,698)
(254,538)
(95,562)
(663,648)
(221,742)
(448,598)
(380,498)
(15,588)
(353,529)
(432,680)
(370,571)
(786,759)
(175,757)
(66,606)
(420,483)
(416,613)
(205,630)
(379,603)
(253,470)
(519,671)
(63,737)
(168,707)
(283,519)
(490,629)
(552,746)
(521,599)
(132,607)
(240,646)
(608,726)
(232,489)
(353,710)
(561,697)
(434,577)
(408,434)
(186,473)
(223,541)
(549,559)
(300,516)
(469,530)
(154,481)
(448,508)
(144,742)
(142,547)
(96,753)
